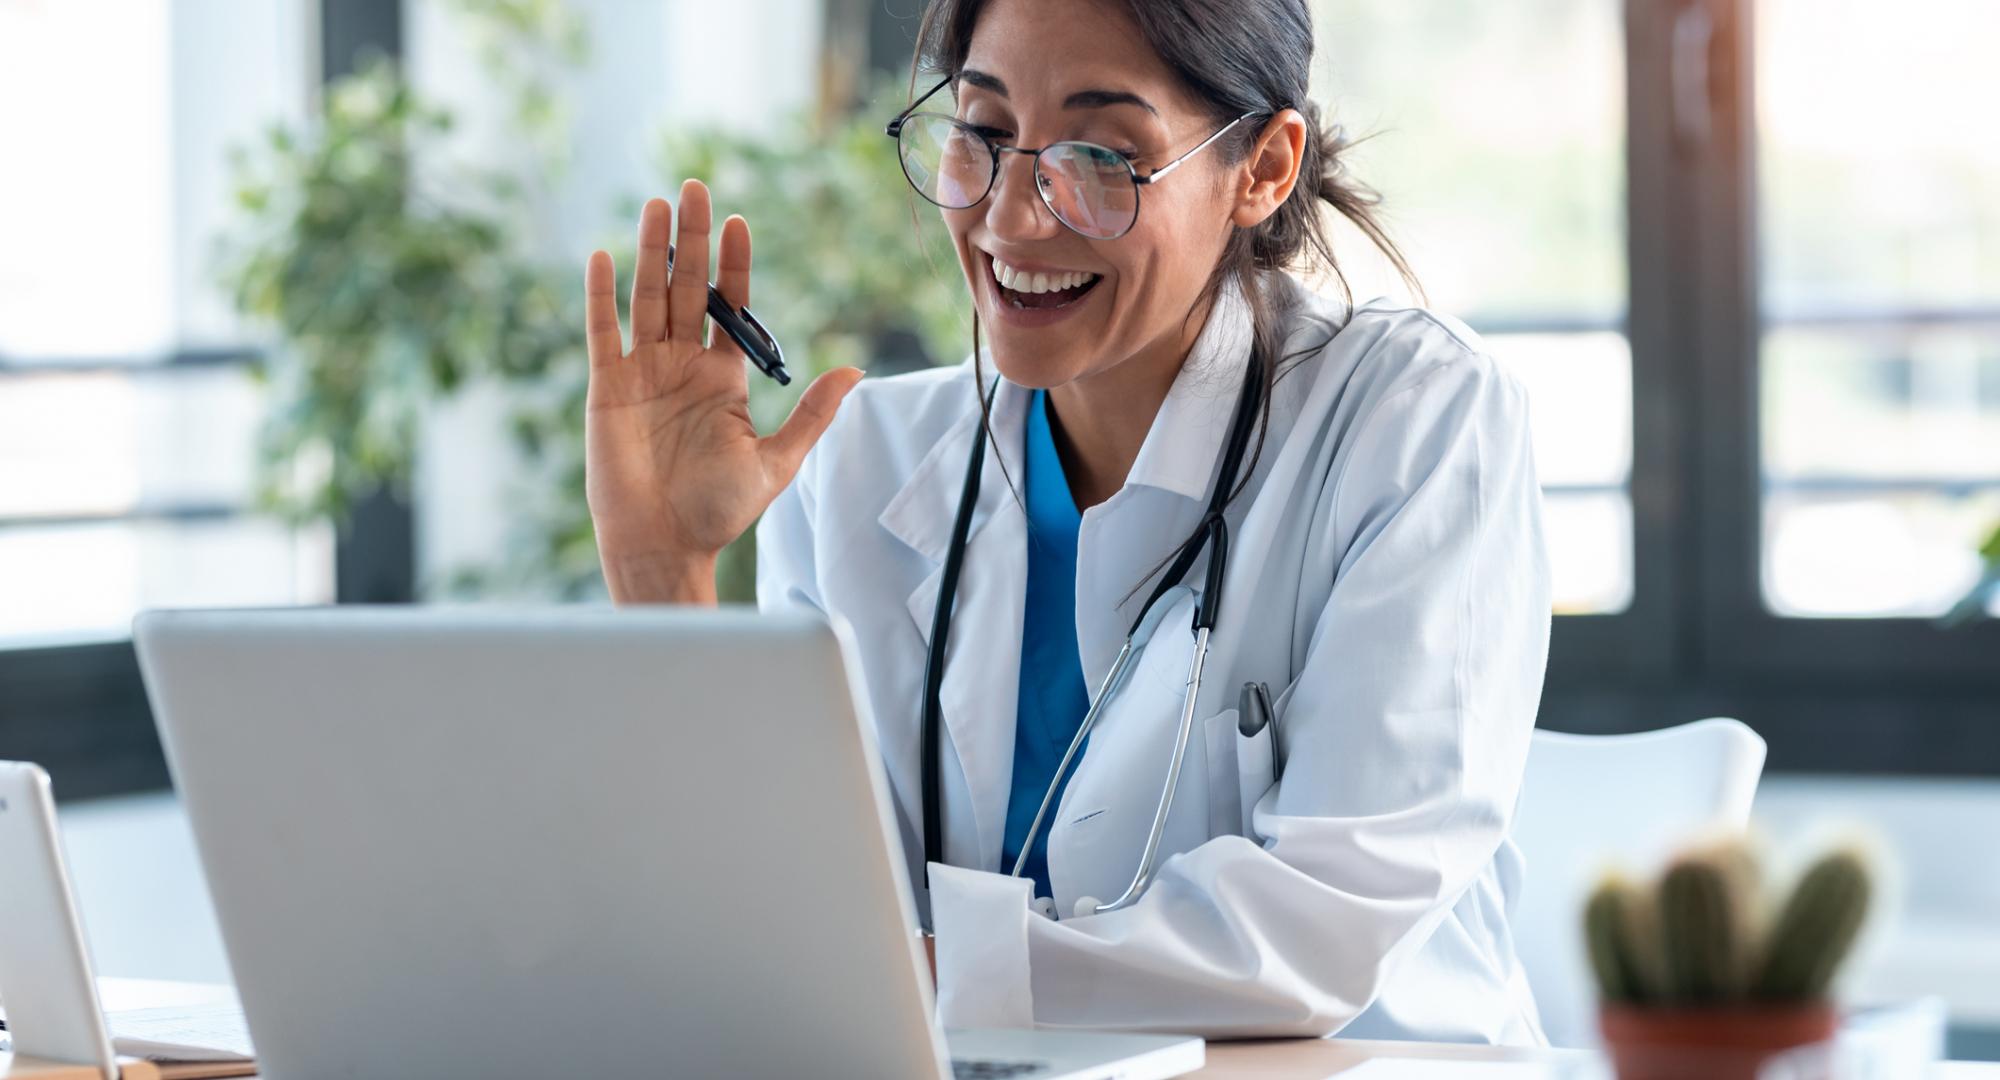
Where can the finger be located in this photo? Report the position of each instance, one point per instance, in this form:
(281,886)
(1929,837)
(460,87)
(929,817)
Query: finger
(649,281)
(785,449)
(732,272)
(600,311)
(688,291)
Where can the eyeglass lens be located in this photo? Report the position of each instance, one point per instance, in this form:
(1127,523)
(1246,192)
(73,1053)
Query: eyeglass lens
(1089,188)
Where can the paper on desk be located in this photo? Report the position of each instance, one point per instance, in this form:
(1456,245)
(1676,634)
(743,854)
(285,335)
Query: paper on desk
(182,1033)
(1439,1069)
(185,1041)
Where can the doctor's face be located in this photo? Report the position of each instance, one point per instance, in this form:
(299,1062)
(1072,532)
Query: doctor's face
(1044,71)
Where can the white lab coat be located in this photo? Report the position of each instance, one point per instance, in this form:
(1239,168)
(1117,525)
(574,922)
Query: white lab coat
(1386,578)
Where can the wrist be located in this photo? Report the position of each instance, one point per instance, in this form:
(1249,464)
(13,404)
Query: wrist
(661,578)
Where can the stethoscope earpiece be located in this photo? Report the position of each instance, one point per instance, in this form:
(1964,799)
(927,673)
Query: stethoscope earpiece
(1086,906)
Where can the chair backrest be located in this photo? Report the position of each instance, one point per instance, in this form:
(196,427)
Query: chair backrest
(1593,801)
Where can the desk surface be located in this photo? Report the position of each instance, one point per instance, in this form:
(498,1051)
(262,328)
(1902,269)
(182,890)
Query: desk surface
(1315,1059)
(1274,1059)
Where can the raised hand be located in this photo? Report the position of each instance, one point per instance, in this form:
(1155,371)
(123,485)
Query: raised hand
(674,468)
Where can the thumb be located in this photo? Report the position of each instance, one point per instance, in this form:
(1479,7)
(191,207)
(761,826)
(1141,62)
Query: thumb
(785,449)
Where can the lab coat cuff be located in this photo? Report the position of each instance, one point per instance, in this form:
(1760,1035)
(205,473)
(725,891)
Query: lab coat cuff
(981,921)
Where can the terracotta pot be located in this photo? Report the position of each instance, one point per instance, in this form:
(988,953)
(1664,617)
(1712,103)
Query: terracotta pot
(1710,1044)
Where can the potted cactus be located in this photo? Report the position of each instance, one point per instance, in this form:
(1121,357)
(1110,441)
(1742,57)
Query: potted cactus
(1699,976)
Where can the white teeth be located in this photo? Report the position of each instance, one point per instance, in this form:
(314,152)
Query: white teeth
(1025,282)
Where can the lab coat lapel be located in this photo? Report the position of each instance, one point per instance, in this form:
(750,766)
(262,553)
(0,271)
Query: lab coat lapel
(1167,489)
(1107,810)
(983,657)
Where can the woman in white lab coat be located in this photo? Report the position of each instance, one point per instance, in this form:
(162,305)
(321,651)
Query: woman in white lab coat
(1385,576)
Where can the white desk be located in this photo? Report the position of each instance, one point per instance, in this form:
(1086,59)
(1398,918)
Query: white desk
(1315,1059)
(1271,1059)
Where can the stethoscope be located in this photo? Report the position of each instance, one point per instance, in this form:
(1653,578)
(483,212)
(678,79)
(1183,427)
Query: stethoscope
(1212,535)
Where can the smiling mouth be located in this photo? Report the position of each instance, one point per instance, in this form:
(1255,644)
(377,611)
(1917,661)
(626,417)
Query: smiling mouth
(1039,291)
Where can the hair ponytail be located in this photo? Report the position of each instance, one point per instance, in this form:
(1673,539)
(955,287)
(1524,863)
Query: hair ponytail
(1296,236)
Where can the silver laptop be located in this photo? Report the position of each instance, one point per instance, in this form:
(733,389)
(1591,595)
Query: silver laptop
(52,1004)
(571,841)
(52,1009)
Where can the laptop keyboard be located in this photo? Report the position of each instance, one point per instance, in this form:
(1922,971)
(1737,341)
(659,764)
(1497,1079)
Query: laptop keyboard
(980,1069)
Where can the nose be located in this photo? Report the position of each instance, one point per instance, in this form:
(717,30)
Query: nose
(1014,208)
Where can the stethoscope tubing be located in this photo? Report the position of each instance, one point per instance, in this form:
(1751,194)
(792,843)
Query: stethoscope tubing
(1143,876)
(1213,536)
(933,761)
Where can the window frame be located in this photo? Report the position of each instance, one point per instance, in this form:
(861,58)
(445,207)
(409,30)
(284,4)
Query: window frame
(1742,637)
(1849,695)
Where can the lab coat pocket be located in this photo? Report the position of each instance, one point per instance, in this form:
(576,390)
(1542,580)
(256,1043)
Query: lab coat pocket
(1239,773)
(1255,774)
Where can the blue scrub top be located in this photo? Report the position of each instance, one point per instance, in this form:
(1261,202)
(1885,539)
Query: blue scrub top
(1053,699)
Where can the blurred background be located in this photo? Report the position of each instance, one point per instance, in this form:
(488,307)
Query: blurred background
(290,298)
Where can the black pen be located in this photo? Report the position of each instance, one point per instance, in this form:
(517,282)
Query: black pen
(744,329)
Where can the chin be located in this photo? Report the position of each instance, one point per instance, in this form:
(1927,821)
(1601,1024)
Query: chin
(1036,370)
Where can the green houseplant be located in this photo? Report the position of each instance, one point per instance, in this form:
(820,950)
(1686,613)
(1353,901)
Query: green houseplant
(1978,600)
(1699,976)
(395,278)
(390,277)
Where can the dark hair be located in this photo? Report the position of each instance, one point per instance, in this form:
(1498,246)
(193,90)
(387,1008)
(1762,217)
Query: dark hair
(1238,56)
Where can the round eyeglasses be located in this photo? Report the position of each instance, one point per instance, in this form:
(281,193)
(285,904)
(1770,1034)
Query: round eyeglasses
(1091,189)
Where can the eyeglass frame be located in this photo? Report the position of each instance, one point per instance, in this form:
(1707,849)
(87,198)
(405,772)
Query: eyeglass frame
(894,130)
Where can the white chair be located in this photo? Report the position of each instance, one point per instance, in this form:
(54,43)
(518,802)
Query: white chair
(1592,801)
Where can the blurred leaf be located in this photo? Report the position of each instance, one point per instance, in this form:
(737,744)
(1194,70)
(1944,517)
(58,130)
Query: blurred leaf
(385,300)
(390,298)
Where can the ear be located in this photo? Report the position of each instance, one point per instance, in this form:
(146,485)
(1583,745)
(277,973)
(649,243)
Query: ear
(1271,169)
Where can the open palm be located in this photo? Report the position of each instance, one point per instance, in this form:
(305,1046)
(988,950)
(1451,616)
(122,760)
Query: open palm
(674,467)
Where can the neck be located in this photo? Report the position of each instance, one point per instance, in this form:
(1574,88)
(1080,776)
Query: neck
(1100,420)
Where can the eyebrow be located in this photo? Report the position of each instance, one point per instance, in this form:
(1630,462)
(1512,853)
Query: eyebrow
(1082,99)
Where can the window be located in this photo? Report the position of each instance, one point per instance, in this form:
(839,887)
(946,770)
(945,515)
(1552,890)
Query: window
(1879,199)
(127,407)
(1745,254)
(1497,134)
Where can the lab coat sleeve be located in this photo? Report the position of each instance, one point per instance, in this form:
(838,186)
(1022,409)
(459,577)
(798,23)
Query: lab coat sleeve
(1407,728)
(787,579)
